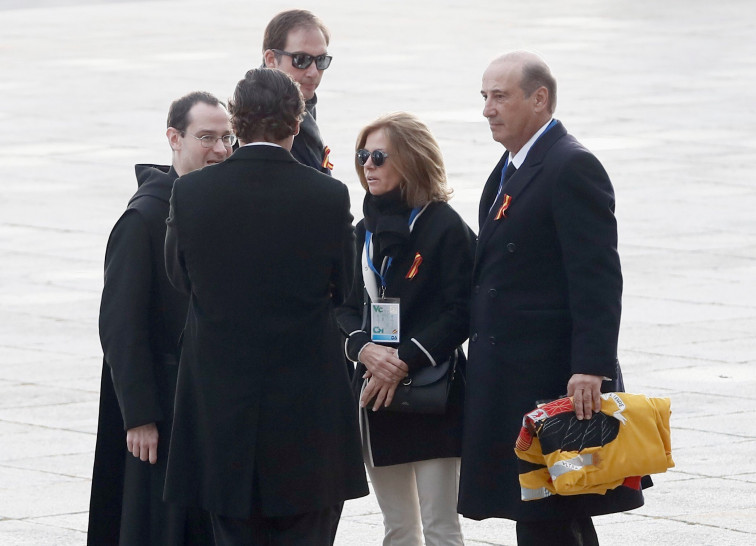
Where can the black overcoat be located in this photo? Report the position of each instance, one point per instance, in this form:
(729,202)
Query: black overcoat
(546,303)
(264,418)
(308,147)
(141,318)
(434,306)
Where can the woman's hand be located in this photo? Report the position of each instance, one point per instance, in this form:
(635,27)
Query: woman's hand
(384,372)
(382,391)
(383,363)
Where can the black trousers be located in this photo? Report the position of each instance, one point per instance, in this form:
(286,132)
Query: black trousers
(307,529)
(570,532)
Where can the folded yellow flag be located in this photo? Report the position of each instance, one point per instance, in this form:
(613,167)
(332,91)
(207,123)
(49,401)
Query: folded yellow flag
(562,455)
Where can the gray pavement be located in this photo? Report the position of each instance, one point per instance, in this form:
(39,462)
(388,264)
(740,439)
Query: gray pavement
(662,92)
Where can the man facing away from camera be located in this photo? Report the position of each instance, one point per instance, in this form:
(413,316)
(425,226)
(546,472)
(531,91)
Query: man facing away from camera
(296,42)
(265,435)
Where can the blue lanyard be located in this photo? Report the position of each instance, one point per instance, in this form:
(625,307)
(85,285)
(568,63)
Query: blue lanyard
(369,237)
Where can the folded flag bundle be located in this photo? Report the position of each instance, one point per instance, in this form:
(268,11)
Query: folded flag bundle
(561,455)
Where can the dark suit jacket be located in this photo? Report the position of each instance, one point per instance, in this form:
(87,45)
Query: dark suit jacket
(264,419)
(546,303)
(308,147)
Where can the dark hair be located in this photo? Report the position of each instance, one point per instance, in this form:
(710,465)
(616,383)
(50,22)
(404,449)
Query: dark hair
(277,31)
(178,113)
(536,75)
(267,104)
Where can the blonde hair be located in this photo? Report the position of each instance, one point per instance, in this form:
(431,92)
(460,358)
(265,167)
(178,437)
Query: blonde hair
(415,155)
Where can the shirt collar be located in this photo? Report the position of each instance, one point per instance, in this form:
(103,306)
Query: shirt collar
(520,156)
(262,144)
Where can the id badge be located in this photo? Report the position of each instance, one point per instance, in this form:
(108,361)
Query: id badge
(384,317)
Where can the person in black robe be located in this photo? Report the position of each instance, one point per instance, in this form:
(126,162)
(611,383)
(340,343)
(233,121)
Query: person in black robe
(141,319)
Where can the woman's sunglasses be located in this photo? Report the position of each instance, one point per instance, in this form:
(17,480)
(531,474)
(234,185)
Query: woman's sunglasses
(378,157)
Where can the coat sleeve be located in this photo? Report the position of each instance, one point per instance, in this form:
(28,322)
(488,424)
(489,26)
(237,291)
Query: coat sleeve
(450,327)
(174,259)
(583,205)
(342,277)
(349,314)
(125,321)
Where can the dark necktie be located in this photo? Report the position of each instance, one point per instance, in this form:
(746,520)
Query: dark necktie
(508,172)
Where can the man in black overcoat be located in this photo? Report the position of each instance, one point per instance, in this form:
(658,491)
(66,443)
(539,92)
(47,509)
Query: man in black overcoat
(546,302)
(265,434)
(296,42)
(141,319)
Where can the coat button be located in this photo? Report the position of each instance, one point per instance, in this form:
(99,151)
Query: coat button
(474,337)
(511,247)
(492,293)
(492,340)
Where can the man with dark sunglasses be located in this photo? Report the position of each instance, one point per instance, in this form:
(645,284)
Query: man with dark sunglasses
(296,42)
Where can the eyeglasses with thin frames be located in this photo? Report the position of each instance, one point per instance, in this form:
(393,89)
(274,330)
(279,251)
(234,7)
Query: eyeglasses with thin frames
(208,141)
(304,60)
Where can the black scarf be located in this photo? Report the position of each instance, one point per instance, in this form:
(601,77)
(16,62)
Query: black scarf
(387,217)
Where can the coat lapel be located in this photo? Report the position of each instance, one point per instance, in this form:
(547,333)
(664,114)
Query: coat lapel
(489,192)
(515,185)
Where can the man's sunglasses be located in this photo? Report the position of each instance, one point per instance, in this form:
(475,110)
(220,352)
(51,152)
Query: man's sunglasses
(303,60)
(378,157)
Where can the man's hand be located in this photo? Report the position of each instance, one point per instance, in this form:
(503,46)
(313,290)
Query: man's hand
(142,442)
(586,394)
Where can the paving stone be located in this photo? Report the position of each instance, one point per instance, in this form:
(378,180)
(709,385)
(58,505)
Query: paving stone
(77,465)
(54,499)
(35,441)
(31,533)
(669,532)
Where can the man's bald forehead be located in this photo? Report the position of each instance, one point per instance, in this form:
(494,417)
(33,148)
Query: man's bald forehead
(518,58)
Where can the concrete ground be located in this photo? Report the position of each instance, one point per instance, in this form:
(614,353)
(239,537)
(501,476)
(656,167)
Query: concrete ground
(662,92)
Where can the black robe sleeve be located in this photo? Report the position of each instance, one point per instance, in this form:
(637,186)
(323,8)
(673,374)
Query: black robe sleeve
(124,320)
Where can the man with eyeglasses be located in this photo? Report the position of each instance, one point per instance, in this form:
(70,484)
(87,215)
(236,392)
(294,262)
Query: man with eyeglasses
(141,319)
(296,42)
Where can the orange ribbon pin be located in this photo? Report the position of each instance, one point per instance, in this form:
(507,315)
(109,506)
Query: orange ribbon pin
(327,159)
(415,266)
(504,206)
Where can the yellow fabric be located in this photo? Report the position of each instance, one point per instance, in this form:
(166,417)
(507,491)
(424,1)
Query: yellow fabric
(641,447)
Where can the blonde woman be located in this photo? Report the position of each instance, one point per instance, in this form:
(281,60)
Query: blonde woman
(415,249)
